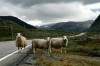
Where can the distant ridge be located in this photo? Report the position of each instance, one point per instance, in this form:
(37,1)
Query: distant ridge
(69,26)
(18,21)
(95,27)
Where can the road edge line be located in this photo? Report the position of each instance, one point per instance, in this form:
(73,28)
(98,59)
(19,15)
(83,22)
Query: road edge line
(11,54)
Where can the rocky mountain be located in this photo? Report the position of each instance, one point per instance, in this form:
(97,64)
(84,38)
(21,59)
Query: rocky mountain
(95,27)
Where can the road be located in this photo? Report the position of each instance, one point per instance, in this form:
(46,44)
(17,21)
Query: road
(81,34)
(8,47)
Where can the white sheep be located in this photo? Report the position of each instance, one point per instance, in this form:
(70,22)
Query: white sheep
(57,43)
(41,44)
(20,41)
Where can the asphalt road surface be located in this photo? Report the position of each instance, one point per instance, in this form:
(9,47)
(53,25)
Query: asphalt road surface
(8,47)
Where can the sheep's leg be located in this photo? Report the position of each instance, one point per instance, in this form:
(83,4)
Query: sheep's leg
(44,50)
(24,47)
(65,49)
(34,50)
(50,49)
(47,51)
(61,49)
(21,50)
(18,49)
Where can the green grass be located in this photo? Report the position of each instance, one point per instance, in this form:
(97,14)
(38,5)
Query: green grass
(88,47)
(30,34)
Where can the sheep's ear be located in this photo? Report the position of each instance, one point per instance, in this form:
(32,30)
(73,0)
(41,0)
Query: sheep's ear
(21,34)
(50,37)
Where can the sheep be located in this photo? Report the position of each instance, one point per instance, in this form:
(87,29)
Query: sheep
(59,42)
(41,44)
(20,41)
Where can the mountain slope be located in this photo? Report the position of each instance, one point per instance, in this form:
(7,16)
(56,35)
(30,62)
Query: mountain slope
(10,26)
(72,26)
(18,21)
(95,27)
(69,26)
(45,27)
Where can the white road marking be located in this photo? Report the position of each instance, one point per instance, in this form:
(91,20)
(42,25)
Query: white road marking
(11,54)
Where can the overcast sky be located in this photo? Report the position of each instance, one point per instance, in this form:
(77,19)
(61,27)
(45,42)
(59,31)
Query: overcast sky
(38,12)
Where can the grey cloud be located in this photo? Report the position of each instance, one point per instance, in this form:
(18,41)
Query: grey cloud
(28,3)
(46,10)
(91,1)
(53,12)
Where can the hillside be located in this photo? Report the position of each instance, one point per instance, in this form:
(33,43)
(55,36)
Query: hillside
(69,26)
(73,26)
(11,25)
(17,21)
(95,27)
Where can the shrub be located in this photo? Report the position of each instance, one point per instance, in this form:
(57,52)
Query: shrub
(95,51)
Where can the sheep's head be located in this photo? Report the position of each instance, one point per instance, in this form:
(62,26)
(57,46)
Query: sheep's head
(48,38)
(64,37)
(18,34)
(65,40)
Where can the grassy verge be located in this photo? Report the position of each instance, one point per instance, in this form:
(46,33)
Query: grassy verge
(59,59)
(84,47)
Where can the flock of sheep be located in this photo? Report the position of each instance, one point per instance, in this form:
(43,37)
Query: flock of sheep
(45,44)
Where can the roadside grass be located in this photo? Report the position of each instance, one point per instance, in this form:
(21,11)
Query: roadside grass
(84,47)
(88,47)
(5,38)
(58,59)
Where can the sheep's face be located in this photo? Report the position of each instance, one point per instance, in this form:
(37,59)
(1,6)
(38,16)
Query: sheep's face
(18,34)
(64,37)
(48,38)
